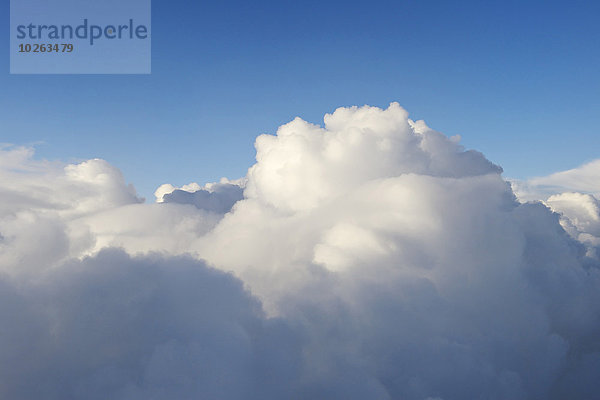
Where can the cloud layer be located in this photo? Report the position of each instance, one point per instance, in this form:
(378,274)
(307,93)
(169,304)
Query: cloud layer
(371,257)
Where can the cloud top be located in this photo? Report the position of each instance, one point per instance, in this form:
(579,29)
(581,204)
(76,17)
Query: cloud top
(305,165)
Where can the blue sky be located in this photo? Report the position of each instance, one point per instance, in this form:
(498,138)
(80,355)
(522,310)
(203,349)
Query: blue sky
(517,80)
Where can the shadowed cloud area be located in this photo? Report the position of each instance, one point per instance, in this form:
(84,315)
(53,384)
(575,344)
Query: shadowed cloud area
(368,258)
(219,200)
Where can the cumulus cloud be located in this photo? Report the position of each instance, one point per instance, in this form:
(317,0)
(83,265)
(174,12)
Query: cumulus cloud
(118,327)
(41,199)
(371,257)
(71,190)
(574,195)
(583,179)
(580,217)
(305,165)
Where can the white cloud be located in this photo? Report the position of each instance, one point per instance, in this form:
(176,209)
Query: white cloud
(584,179)
(574,195)
(305,165)
(387,262)
(69,190)
(41,200)
(580,216)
